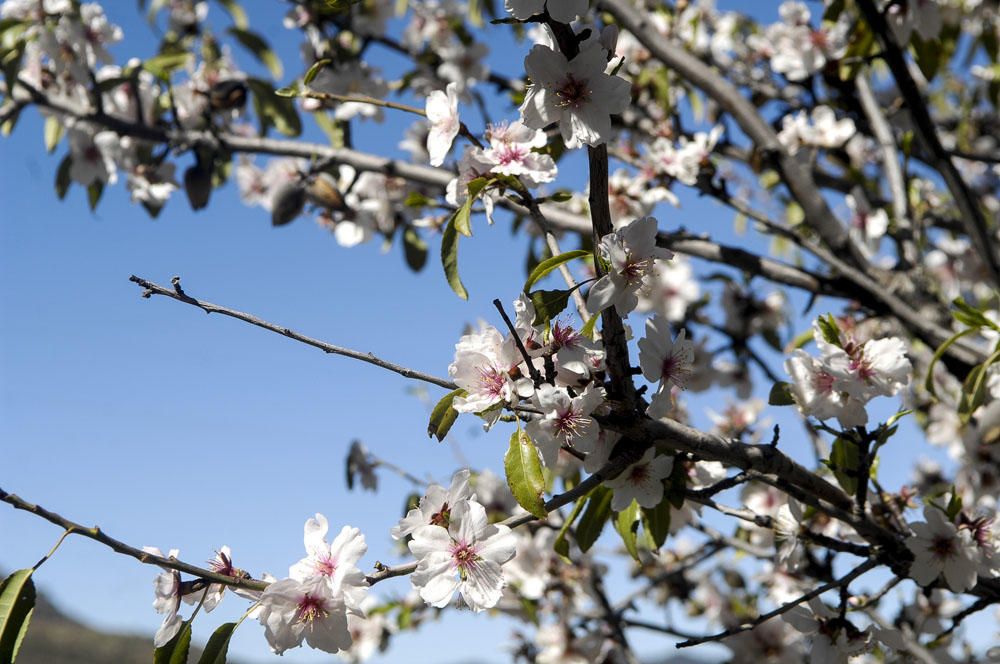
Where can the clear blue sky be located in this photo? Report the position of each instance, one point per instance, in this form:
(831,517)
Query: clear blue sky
(171,428)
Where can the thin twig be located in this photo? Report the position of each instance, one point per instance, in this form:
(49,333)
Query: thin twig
(784,608)
(178,294)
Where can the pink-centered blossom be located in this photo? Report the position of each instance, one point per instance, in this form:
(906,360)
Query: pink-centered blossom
(467,557)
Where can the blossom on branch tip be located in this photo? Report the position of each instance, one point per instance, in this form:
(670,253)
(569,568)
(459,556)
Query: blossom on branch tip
(467,556)
(566,421)
(576,93)
(335,564)
(293,611)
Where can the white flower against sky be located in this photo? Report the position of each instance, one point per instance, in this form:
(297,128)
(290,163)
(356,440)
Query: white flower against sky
(629,252)
(665,360)
(940,549)
(442,114)
(435,506)
(642,481)
(878,368)
(577,94)
(566,421)
(866,226)
(94,155)
(467,557)
(816,394)
(292,611)
(334,563)
(482,365)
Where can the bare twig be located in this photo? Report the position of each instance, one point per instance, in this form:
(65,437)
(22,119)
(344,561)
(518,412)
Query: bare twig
(784,608)
(209,308)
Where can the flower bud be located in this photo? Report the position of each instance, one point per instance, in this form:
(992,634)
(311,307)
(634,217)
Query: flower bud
(198,186)
(322,191)
(227,95)
(287,204)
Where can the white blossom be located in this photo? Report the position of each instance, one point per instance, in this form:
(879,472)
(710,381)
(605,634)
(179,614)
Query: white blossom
(467,556)
(334,563)
(293,611)
(629,252)
(576,93)
(642,481)
(940,549)
(435,506)
(566,420)
(442,114)
(665,360)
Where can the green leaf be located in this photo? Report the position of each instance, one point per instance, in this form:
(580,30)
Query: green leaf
(954,505)
(524,474)
(549,304)
(546,266)
(588,329)
(781,394)
(845,462)
(594,517)
(969,315)
(561,545)
(218,645)
(415,249)
(260,48)
(829,329)
(237,13)
(94,192)
(17,602)
(627,525)
(175,651)
(449,259)
(938,354)
(272,110)
(163,65)
(656,522)
(316,68)
(63,180)
(53,133)
(444,415)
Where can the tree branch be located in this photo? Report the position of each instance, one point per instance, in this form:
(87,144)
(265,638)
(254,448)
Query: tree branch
(176,293)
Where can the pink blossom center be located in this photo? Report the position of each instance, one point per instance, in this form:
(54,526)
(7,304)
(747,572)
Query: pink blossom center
(511,154)
(311,608)
(442,517)
(823,382)
(573,93)
(564,337)
(569,423)
(674,369)
(326,566)
(492,381)
(639,473)
(464,556)
(943,547)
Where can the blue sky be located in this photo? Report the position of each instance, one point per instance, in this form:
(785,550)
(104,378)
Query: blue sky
(171,428)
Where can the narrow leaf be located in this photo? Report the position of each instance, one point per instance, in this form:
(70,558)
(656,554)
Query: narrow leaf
(656,521)
(524,473)
(175,651)
(314,70)
(415,249)
(561,545)
(17,602)
(53,133)
(260,48)
(845,462)
(627,525)
(444,415)
(549,304)
(781,394)
(63,179)
(218,645)
(594,517)
(449,259)
(546,266)
(236,12)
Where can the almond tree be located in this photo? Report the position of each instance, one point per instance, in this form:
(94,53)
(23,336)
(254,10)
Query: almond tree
(860,135)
